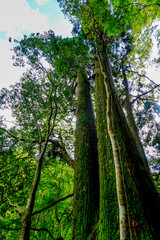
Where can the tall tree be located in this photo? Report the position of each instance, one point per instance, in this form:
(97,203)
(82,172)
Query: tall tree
(108,209)
(28,97)
(133,168)
(36,103)
(86,184)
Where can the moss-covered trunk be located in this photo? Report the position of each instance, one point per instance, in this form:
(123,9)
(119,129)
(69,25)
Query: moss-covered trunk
(108,213)
(142,197)
(86,185)
(121,194)
(25,225)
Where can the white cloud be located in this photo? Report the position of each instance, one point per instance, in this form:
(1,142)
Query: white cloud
(41,2)
(9,73)
(16,17)
(62,27)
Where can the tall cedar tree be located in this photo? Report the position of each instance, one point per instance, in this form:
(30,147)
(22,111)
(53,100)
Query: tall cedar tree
(86,182)
(142,197)
(108,212)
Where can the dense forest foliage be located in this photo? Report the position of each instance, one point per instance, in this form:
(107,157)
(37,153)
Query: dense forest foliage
(76,163)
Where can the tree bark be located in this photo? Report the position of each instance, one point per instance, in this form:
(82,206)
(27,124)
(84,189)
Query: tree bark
(142,197)
(121,194)
(86,180)
(108,221)
(27,213)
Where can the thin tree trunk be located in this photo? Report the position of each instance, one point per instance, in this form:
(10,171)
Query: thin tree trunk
(86,180)
(142,197)
(27,213)
(130,117)
(108,221)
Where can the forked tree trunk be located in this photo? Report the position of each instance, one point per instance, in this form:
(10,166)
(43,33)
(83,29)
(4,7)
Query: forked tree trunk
(86,180)
(108,213)
(142,197)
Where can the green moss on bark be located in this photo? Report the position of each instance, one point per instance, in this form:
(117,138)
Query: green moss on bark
(108,214)
(86,181)
(142,197)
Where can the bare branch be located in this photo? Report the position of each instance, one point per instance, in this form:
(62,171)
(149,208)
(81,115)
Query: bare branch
(11,229)
(63,150)
(139,96)
(43,229)
(18,209)
(52,204)
(142,75)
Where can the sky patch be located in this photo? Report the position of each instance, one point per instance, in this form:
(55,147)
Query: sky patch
(19,18)
(41,2)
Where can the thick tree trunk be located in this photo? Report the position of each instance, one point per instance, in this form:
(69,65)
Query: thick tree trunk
(25,225)
(86,185)
(108,213)
(142,197)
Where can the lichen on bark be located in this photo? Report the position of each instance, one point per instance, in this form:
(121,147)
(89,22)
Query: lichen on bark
(108,227)
(142,197)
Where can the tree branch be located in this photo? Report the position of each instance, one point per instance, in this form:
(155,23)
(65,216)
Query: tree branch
(141,5)
(18,209)
(11,229)
(43,229)
(52,204)
(17,138)
(34,229)
(142,75)
(63,150)
(139,96)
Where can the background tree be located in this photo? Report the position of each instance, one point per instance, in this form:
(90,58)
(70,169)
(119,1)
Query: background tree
(36,103)
(86,181)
